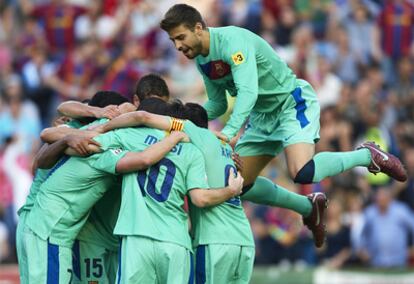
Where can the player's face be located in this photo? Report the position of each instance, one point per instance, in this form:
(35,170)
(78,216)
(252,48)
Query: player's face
(186,40)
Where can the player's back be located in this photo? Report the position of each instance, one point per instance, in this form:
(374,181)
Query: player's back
(63,202)
(100,225)
(226,222)
(234,48)
(153,199)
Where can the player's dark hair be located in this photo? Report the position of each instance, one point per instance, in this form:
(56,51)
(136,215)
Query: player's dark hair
(151,85)
(154,105)
(197,114)
(181,14)
(176,109)
(103,99)
(106,98)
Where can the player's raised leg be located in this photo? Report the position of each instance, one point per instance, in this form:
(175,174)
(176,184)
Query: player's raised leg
(326,164)
(264,191)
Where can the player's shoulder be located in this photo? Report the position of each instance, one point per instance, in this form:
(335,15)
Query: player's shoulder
(189,149)
(95,122)
(231,32)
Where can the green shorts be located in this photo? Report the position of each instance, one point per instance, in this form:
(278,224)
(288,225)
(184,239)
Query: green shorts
(93,263)
(144,260)
(297,121)
(223,263)
(46,262)
(21,253)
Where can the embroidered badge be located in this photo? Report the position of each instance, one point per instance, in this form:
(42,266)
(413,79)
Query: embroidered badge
(238,58)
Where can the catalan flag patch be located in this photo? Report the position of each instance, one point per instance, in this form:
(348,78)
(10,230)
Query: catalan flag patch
(177,124)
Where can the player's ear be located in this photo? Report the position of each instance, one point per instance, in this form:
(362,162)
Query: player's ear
(136,101)
(198,29)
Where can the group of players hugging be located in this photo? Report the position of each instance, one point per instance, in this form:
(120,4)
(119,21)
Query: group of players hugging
(117,182)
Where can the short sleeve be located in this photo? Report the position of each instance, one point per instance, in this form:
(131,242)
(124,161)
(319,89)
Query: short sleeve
(107,160)
(108,140)
(196,175)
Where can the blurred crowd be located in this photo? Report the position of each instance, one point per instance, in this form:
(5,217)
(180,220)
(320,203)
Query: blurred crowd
(357,54)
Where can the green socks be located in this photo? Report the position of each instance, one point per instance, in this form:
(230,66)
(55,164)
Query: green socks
(332,163)
(265,192)
(325,164)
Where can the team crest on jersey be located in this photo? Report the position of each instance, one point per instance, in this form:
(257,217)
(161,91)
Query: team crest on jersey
(215,69)
(238,58)
(116,151)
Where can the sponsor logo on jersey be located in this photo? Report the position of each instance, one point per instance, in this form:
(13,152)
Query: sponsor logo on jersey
(215,69)
(238,58)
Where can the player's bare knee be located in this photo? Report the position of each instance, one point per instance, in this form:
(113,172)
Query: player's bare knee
(248,180)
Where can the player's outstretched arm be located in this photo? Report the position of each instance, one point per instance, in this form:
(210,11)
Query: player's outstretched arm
(49,154)
(134,161)
(210,197)
(136,118)
(53,134)
(76,109)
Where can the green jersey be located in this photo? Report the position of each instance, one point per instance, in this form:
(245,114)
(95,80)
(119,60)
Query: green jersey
(74,123)
(41,174)
(99,227)
(65,198)
(153,199)
(246,66)
(225,223)
(38,179)
(101,222)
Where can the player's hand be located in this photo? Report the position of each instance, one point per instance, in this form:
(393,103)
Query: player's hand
(233,141)
(221,136)
(235,183)
(89,133)
(97,128)
(237,161)
(83,145)
(61,120)
(109,112)
(181,136)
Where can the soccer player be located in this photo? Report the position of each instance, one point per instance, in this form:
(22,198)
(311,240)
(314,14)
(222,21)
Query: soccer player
(41,222)
(222,237)
(283,112)
(49,155)
(95,252)
(156,246)
(96,249)
(63,203)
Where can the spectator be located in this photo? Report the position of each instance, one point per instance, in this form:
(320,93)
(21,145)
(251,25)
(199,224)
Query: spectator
(58,19)
(125,71)
(345,64)
(19,118)
(396,23)
(403,88)
(363,35)
(337,248)
(96,24)
(35,73)
(327,85)
(387,226)
(406,191)
(336,133)
(184,81)
(75,78)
